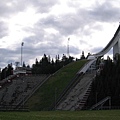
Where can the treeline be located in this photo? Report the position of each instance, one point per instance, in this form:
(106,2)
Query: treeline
(44,66)
(6,72)
(48,66)
(107,83)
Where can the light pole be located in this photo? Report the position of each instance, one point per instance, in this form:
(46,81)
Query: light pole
(21,51)
(68,47)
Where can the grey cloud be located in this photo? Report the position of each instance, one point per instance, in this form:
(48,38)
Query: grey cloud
(73,50)
(105,12)
(6,52)
(96,50)
(44,5)
(69,24)
(43,45)
(12,56)
(3,29)
(65,24)
(8,56)
(72,23)
(82,42)
(15,6)
(32,52)
(8,8)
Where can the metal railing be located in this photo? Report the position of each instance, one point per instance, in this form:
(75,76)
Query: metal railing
(101,103)
(69,87)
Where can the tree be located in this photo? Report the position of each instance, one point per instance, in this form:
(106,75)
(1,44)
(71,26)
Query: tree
(88,55)
(82,56)
(24,64)
(28,66)
(47,66)
(36,62)
(107,83)
(7,71)
(17,64)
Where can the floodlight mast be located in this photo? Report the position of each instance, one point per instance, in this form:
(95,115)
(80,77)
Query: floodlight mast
(22,52)
(68,47)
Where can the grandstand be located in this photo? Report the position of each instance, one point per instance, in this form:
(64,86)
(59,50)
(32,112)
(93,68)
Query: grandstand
(13,95)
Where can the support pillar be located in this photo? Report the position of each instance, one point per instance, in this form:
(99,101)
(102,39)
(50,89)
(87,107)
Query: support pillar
(116,48)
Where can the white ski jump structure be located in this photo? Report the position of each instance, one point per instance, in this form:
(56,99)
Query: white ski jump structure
(114,42)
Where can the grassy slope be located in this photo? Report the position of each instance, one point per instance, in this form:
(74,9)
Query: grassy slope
(45,96)
(62,115)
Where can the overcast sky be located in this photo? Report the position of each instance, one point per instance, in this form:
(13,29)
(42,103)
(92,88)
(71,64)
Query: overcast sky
(45,26)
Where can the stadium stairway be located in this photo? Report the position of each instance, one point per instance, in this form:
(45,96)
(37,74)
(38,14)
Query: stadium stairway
(77,97)
(82,102)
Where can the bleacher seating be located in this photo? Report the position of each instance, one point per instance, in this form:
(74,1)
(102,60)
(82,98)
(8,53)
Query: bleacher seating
(19,90)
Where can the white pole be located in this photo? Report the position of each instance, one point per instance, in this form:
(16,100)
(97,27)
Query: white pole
(21,51)
(68,47)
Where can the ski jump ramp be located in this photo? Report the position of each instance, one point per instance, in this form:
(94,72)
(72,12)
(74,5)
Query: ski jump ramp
(114,42)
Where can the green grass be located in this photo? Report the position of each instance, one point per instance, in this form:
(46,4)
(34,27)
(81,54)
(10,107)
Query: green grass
(62,115)
(45,96)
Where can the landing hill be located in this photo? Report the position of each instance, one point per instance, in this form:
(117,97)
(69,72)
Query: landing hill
(47,94)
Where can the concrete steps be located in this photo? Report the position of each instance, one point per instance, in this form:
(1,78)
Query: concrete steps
(84,99)
(77,97)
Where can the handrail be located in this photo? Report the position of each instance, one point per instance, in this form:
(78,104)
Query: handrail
(73,82)
(100,102)
(86,66)
(69,87)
